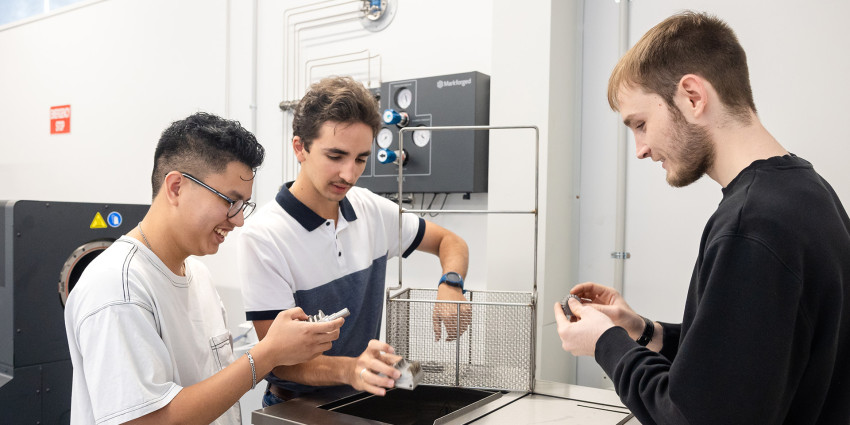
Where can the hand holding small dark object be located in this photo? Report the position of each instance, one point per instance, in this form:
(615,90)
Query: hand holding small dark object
(565,305)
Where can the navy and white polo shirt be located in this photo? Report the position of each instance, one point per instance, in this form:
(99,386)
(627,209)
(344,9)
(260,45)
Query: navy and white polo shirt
(289,256)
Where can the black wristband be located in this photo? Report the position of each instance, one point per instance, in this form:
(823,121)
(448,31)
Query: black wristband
(648,332)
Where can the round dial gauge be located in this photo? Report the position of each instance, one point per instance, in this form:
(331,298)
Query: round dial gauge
(421,137)
(384,138)
(403,98)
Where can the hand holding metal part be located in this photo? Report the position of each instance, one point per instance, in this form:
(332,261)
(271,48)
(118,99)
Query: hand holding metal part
(608,301)
(291,340)
(566,307)
(322,317)
(579,336)
(411,374)
(373,370)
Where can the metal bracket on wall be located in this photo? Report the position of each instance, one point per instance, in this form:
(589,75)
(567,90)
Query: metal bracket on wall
(621,255)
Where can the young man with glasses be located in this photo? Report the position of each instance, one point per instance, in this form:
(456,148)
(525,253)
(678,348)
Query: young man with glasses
(324,244)
(145,326)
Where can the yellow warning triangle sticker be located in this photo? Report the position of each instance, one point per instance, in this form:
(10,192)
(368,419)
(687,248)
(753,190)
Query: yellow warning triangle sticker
(98,222)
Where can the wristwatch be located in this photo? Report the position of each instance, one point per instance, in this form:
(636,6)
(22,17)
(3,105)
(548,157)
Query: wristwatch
(453,279)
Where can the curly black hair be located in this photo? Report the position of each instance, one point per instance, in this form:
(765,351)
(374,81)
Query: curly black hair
(202,144)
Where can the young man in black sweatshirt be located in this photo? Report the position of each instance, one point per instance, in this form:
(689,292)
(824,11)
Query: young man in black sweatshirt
(765,337)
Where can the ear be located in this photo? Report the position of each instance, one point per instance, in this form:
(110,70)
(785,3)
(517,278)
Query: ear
(692,95)
(298,147)
(171,187)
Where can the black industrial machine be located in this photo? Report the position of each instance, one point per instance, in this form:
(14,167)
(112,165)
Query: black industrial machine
(44,247)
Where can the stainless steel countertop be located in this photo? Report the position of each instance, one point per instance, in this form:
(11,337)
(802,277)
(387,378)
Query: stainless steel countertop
(551,402)
(554,402)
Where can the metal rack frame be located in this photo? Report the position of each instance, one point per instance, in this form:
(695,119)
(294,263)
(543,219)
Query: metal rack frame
(534,212)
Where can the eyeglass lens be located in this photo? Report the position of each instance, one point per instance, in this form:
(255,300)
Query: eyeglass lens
(240,205)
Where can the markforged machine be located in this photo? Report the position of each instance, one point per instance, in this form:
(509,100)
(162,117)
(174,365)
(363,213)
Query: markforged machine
(44,247)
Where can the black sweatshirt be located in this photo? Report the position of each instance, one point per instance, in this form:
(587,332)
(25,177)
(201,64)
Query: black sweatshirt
(765,337)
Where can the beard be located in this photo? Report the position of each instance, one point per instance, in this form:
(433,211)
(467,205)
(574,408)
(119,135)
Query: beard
(692,152)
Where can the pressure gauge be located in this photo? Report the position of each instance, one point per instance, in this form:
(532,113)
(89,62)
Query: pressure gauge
(421,137)
(384,138)
(403,98)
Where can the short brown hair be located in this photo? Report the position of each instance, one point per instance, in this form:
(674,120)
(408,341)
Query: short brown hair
(337,99)
(687,43)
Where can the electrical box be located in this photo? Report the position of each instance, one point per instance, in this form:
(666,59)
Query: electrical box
(433,161)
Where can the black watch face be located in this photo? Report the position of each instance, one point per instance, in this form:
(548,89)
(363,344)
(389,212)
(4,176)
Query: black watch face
(452,277)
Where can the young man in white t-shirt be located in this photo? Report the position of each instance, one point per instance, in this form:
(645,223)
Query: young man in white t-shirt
(323,244)
(145,325)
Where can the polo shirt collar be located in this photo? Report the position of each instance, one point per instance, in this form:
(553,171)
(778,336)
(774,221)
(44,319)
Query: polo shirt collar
(303,214)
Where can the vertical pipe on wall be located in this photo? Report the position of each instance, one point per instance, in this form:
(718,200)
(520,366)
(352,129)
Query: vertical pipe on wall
(254,64)
(227,19)
(622,163)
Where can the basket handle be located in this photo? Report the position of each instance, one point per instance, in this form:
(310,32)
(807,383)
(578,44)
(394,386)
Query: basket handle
(534,211)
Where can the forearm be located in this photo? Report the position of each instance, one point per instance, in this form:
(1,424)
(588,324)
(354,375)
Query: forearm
(454,255)
(204,402)
(323,370)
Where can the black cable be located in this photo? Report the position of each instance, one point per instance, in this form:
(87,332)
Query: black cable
(441,206)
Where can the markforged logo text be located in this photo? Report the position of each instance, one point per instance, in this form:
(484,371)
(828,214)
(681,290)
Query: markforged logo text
(452,83)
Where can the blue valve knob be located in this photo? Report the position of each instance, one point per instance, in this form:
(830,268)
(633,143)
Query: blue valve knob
(386,156)
(391,116)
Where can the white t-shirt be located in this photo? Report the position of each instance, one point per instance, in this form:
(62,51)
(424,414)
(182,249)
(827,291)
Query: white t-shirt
(139,333)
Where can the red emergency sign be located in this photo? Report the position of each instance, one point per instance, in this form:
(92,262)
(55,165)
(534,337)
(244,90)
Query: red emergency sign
(60,119)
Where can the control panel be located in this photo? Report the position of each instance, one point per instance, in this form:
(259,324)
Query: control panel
(443,161)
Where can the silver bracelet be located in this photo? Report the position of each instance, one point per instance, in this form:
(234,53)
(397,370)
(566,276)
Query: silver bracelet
(253,370)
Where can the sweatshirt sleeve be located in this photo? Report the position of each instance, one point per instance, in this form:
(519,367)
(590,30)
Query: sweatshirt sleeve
(743,351)
(670,339)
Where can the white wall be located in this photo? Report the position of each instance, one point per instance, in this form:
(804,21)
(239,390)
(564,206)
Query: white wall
(128,69)
(797,68)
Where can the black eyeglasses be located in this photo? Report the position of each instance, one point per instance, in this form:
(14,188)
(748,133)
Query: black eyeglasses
(235,205)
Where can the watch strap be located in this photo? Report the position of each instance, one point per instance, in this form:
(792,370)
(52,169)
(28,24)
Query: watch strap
(648,332)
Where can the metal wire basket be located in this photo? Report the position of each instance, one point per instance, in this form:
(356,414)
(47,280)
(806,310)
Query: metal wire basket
(495,352)
(497,349)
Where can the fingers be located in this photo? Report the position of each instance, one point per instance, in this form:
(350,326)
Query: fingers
(560,317)
(587,289)
(576,307)
(437,323)
(374,368)
(457,329)
(597,293)
(447,314)
(376,347)
(294,314)
(374,383)
(327,327)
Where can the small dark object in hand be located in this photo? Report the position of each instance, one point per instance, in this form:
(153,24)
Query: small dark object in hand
(566,306)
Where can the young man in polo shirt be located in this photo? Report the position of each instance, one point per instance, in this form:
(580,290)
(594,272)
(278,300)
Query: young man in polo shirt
(324,244)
